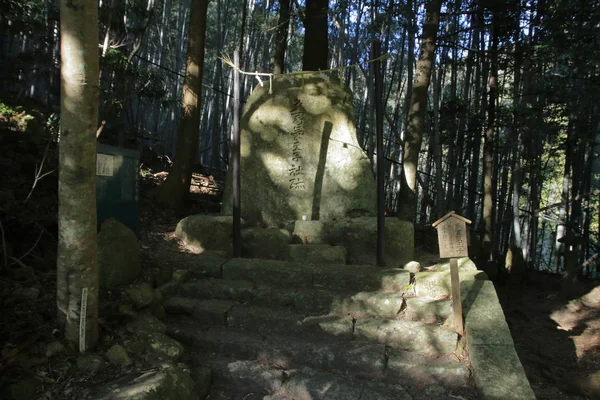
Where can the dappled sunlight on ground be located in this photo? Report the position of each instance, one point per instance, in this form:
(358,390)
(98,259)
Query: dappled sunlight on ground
(558,341)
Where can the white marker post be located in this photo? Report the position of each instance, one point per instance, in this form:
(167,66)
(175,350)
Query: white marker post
(82,320)
(453,243)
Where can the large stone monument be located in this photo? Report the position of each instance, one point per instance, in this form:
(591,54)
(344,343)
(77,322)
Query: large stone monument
(300,157)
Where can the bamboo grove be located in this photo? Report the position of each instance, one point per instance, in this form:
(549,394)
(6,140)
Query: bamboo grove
(512,120)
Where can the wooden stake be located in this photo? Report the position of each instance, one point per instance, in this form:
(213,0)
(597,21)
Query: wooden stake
(235,150)
(456,300)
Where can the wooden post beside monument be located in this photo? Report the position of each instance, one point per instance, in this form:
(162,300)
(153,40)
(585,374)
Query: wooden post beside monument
(453,243)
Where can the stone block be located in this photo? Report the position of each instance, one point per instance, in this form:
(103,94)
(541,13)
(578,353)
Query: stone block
(263,319)
(202,233)
(317,301)
(485,322)
(118,254)
(265,243)
(300,154)
(217,289)
(213,312)
(437,284)
(316,254)
(359,237)
(268,272)
(180,305)
(498,371)
(204,266)
(408,335)
(347,277)
(312,232)
(380,304)
(427,310)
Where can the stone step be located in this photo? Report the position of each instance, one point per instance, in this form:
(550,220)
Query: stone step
(435,282)
(427,310)
(296,275)
(255,380)
(181,298)
(316,254)
(358,359)
(398,334)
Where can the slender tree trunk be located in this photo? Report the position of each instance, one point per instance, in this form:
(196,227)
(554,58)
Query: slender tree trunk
(437,147)
(282,34)
(316,46)
(416,115)
(174,191)
(488,150)
(77,259)
(561,229)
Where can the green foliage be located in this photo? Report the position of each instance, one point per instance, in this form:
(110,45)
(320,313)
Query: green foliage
(25,16)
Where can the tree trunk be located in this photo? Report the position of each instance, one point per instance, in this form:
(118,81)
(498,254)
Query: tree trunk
(488,151)
(174,191)
(282,34)
(77,259)
(416,115)
(316,46)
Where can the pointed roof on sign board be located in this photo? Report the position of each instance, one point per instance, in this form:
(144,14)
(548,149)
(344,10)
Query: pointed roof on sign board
(452,214)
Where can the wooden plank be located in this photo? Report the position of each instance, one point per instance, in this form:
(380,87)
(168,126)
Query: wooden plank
(452,238)
(456,300)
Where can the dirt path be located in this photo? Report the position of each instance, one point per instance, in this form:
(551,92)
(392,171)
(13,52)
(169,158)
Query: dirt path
(558,341)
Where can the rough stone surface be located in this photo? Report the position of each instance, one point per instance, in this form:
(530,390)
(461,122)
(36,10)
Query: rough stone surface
(497,371)
(54,348)
(316,254)
(312,232)
(204,266)
(26,389)
(435,283)
(228,342)
(118,254)
(168,382)
(273,296)
(118,356)
(464,264)
(164,347)
(146,324)
(427,310)
(180,305)
(203,233)
(90,363)
(317,301)
(265,243)
(413,266)
(213,312)
(161,275)
(140,294)
(263,319)
(408,335)
(496,366)
(359,237)
(218,289)
(300,154)
(381,304)
(347,277)
(180,276)
(312,385)
(202,377)
(407,367)
(249,375)
(484,318)
(268,272)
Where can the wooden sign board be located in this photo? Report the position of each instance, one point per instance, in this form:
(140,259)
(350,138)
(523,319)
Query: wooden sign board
(452,235)
(453,242)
